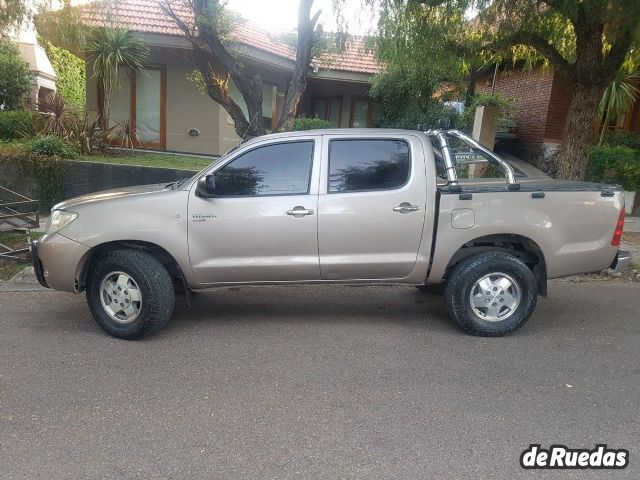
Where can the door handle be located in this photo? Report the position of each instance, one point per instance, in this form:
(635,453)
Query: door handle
(405,207)
(300,211)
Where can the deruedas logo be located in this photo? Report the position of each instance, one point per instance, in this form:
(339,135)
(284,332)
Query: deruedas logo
(560,456)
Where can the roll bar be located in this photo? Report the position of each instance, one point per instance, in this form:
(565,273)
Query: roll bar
(442,136)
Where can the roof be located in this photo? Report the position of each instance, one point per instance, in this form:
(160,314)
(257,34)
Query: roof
(146,16)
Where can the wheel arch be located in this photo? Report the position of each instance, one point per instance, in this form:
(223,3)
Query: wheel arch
(519,246)
(161,254)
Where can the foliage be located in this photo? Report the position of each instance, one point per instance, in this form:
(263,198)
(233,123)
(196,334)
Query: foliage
(52,146)
(12,14)
(71,73)
(126,133)
(588,42)
(310,124)
(15,77)
(108,51)
(618,98)
(48,171)
(407,97)
(87,135)
(15,124)
(54,115)
(620,165)
(622,139)
(504,104)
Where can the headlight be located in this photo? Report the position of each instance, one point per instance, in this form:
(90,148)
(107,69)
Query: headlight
(60,219)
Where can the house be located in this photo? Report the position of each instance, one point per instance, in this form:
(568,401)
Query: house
(541,98)
(170,113)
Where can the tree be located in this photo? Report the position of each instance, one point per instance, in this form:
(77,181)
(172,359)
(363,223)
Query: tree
(12,14)
(209,35)
(108,51)
(15,77)
(587,41)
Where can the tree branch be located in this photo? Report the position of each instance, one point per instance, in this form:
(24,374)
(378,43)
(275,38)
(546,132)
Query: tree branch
(544,47)
(307,37)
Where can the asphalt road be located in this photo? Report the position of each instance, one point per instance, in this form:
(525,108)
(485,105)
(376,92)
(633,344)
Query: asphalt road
(316,382)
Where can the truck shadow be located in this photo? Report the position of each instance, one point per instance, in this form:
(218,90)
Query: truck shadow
(318,304)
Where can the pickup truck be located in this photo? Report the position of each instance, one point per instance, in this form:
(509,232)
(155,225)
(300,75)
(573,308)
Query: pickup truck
(334,206)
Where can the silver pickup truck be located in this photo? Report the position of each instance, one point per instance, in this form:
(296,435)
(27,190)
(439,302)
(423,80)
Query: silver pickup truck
(335,206)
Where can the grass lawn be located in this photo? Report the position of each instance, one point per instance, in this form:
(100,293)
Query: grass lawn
(161,160)
(15,240)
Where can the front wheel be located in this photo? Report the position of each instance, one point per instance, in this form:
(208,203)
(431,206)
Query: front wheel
(491,294)
(130,293)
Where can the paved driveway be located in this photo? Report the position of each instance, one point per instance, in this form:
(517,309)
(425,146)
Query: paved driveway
(309,382)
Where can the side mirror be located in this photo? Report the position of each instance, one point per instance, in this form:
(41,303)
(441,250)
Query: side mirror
(206,187)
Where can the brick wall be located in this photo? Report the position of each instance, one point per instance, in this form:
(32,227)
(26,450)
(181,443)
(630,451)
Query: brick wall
(532,92)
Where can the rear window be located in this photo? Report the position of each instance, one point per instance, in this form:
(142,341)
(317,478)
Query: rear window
(361,165)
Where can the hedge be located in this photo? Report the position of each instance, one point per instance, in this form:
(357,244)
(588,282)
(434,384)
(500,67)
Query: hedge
(15,124)
(620,165)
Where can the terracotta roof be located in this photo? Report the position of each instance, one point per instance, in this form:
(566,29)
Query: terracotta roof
(147,16)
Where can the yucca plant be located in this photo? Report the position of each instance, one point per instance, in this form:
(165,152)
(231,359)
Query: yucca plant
(87,135)
(108,50)
(618,99)
(54,116)
(127,135)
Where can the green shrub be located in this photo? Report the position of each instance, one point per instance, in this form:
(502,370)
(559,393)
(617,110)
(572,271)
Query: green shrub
(52,146)
(310,124)
(15,124)
(619,165)
(504,104)
(71,72)
(622,139)
(15,76)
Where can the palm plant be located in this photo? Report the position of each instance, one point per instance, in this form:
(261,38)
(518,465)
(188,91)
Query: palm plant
(108,50)
(127,135)
(618,99)
(54,115)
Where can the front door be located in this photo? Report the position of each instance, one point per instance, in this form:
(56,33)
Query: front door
(371,207)
(262,224)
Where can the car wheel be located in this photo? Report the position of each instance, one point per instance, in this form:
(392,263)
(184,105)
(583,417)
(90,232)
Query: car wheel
(491,294)
(130,293)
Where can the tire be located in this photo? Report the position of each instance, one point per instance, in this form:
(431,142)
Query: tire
(492,272)
(129,275)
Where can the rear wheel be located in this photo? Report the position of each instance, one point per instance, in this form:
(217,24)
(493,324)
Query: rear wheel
(491,294)
(130,293)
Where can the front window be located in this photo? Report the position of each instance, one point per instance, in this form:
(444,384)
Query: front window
(277,169)
(361,165)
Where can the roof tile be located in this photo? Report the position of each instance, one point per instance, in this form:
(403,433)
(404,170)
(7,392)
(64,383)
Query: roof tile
(147,16)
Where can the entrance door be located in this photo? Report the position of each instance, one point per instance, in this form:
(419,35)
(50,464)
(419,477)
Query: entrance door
(261,225)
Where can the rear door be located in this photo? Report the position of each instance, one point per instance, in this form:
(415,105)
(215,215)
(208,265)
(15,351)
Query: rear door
(371,206)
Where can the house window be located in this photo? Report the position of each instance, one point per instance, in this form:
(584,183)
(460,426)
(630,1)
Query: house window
(268,96)
(328,109)
(140,99)
(364,113)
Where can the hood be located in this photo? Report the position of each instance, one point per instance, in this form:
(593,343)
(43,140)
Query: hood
(107,195)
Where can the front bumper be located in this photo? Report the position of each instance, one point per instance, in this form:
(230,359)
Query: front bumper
(37,264)
(621,262)
(57,261)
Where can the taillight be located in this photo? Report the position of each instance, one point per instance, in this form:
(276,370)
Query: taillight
(617,234)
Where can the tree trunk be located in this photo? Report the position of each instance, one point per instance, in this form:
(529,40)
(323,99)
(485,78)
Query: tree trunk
(578,130)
